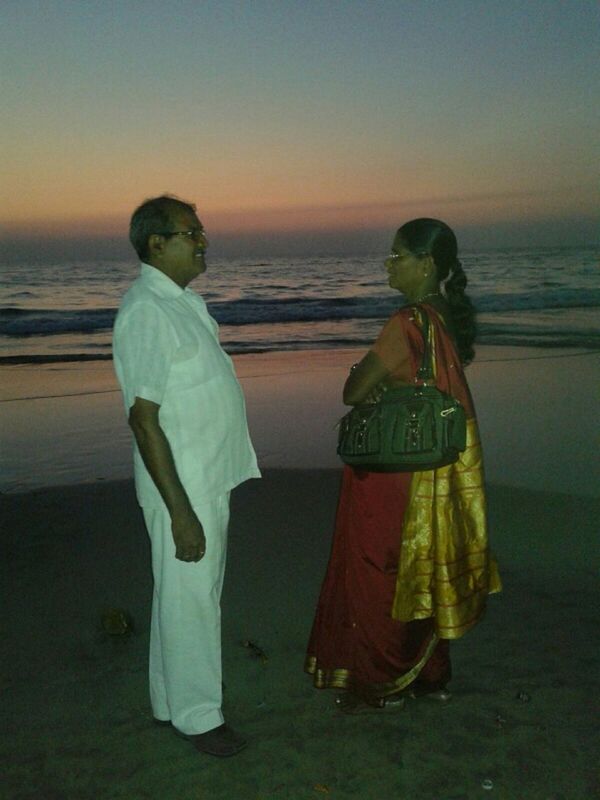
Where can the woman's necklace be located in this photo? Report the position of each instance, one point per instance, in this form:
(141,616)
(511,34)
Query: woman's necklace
(425,296)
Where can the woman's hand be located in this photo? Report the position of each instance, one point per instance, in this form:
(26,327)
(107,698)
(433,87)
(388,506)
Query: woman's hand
(375,394)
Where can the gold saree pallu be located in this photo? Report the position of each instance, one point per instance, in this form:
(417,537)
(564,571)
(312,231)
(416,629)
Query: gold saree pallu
(445,569)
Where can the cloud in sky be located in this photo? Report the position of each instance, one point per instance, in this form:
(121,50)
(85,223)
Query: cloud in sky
(283,118)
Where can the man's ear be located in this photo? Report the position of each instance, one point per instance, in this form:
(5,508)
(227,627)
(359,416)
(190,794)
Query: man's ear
(156,244)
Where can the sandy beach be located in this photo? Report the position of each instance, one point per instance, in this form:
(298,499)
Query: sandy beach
(76,720)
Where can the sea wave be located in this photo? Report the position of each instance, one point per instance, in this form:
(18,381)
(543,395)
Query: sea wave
(45,322)
(19,322)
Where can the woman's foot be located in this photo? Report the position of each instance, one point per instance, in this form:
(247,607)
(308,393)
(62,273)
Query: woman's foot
(349,703)
(438,695)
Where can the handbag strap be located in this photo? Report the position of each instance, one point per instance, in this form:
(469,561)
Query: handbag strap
(425,371)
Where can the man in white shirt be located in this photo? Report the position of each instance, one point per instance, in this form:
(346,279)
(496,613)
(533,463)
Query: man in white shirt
(192,446)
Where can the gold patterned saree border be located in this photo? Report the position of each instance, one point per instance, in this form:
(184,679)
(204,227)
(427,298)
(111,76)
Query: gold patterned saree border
(340,678)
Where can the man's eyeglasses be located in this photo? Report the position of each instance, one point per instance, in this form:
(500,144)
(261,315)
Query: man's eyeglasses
(195,234)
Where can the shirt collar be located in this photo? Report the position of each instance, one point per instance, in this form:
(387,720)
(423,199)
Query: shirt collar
(160,283)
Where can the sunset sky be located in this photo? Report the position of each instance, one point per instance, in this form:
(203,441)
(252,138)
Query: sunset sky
(301,119)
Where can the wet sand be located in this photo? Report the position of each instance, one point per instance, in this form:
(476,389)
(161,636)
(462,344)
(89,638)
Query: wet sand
(65,423)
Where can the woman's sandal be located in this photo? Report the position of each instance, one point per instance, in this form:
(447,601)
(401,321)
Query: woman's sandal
(437,695)
(349,703)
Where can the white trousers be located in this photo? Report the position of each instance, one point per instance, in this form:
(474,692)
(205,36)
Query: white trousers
(185,632)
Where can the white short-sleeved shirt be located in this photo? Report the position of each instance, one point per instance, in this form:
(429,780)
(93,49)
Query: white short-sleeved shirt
(166,349)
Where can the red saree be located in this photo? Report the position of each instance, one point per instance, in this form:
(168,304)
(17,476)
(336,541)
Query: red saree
(409,567)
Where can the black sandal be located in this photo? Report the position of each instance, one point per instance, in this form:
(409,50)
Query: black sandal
(350,703)
(441,695)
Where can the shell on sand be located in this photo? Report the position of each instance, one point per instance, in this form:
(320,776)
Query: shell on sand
(116,621)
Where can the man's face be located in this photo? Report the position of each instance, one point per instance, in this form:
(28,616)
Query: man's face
(182,256)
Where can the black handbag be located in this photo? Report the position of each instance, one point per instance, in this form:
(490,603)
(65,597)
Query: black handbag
(410,428)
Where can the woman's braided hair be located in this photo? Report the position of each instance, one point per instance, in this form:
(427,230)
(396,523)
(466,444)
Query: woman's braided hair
(435,238)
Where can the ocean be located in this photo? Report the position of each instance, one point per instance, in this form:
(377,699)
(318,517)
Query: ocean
(540,297)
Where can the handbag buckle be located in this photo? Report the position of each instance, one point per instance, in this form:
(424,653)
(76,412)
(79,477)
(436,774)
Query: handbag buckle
(447,411)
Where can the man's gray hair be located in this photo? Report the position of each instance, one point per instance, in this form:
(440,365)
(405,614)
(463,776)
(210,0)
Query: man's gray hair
(154,216)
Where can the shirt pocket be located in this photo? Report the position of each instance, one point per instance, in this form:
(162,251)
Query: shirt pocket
(195,363)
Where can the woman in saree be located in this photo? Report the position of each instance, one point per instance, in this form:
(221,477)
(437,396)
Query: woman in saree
(410,568)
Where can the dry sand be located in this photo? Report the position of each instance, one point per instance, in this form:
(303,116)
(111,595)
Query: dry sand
(76,721)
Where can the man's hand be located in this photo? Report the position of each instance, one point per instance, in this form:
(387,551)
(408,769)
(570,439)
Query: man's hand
(188,535)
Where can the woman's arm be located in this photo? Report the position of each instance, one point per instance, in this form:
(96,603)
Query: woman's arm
(364,378)
(387,364)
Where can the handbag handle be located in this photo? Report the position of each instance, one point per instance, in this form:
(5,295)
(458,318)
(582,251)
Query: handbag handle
(425,371)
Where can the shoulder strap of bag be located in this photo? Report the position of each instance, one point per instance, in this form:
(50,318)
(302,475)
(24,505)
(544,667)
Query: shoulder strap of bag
(425,371)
